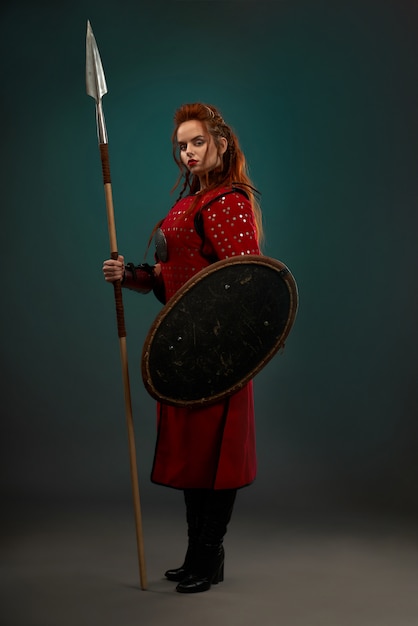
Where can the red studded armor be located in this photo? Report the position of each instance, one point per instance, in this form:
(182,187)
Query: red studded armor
(228,230)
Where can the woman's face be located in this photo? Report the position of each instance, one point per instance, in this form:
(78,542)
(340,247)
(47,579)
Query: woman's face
(197,148)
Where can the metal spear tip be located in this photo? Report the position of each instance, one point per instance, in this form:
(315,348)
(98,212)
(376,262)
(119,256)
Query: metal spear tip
(95,78)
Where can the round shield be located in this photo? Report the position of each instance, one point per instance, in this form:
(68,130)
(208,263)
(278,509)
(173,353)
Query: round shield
(219,330)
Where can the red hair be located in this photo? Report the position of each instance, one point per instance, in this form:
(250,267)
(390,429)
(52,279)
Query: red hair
(233,170)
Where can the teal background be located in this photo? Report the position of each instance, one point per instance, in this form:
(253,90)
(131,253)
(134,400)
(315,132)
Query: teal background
(323,96)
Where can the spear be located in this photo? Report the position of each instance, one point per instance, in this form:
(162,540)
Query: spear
(96,88)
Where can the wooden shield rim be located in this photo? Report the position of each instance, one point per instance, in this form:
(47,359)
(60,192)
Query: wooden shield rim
(247,259)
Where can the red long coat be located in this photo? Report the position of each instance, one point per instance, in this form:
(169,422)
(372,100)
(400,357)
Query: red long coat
(206,447)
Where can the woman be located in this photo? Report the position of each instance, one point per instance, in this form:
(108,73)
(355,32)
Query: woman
(207,452)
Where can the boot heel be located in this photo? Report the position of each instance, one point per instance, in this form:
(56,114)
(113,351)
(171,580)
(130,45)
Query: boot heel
(219,576)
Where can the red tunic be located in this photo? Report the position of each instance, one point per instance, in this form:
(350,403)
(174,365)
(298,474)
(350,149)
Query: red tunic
(206,447)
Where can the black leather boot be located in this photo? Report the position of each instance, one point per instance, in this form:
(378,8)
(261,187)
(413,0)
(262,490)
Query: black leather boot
(207,570)
(194,500)
(206,566)
(179,573)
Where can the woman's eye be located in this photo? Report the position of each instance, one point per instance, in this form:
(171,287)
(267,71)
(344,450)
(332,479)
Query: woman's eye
(197,143)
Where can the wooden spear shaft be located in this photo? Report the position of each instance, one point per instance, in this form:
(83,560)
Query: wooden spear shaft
(104,154)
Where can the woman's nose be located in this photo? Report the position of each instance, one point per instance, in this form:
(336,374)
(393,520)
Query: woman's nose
(189,151)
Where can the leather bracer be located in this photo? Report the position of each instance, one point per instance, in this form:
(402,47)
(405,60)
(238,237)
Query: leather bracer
(141,278)
(138,277)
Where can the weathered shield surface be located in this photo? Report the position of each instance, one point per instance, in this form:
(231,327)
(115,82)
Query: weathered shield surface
(219,330)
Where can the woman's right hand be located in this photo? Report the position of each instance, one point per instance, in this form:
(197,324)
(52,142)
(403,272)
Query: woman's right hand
(113,270)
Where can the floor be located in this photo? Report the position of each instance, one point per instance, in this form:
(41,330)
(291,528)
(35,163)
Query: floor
(78,567)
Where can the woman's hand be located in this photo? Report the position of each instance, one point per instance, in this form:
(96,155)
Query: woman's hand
(113,270)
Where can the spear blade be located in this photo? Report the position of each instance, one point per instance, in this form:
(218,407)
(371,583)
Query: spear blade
(95,81)
(95,77)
